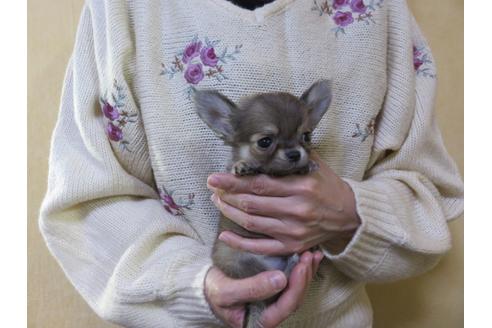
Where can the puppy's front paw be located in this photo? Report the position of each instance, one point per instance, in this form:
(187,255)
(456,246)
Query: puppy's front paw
(312,166)
(309,168)
(242,168)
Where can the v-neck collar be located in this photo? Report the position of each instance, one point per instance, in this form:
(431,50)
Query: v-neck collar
(257,15)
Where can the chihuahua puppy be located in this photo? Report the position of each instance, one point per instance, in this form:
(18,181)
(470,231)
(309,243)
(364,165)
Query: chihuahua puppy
(270,134)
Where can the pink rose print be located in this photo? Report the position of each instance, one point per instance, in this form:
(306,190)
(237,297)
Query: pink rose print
(201,60)
(191,51)
(110,112)
(113,110)
(358,6)
(208,57)
(340,3)
(174,203)
(114,132)
(194,73)
(343,18)
(346,13)
(422,62)
(417,62)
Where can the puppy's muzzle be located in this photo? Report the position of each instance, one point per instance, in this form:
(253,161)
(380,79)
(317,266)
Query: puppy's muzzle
(293,155)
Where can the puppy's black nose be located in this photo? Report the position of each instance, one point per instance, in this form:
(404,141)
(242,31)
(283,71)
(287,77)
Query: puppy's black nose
(293,155)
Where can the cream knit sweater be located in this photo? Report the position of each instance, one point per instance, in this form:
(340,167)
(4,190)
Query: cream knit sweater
(127,213)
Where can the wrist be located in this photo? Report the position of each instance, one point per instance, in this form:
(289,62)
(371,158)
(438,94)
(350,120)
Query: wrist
(338,244)
(350,222)
(352,218)
(210,290)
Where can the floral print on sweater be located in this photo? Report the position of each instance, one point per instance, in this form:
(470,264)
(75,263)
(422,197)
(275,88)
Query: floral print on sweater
(368,130)
(199,60)
(175,203)
(347,12)
(422,62)
(112,106)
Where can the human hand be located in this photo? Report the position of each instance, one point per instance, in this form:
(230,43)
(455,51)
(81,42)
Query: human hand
(298,211)
(227,297)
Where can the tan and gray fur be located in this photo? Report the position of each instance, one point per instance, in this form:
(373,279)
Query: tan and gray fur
(283,123)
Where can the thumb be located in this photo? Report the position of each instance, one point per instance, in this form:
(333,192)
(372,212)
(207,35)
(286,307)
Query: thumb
(255,288)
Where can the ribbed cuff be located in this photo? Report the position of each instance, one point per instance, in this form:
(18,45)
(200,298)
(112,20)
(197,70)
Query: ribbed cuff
(379,229)
(189,304)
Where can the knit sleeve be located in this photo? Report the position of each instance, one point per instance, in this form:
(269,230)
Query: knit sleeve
(133,262)
(412,187)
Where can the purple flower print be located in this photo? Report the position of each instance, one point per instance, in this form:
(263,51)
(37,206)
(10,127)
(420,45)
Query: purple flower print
(358,6)
(208,57)
(110,112)
(340,3)
(422,62)
(169,203)
(114,132)
(176,207)
(347,13)
(116,116)
(417,62)
(343,18)
(194,73)
(191,51)
(201,59)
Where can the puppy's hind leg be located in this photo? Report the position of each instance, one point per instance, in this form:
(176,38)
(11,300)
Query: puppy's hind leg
(291,263)
(255,310)
(254,314)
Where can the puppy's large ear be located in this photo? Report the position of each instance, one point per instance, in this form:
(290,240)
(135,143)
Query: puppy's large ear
(216,111)
(318,99)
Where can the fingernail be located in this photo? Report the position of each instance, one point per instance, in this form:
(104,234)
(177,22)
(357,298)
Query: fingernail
(307,258)
(213,197)
(223,237)
(213,180)
(277,280)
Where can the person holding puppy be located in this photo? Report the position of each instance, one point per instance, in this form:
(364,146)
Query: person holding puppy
(129,214)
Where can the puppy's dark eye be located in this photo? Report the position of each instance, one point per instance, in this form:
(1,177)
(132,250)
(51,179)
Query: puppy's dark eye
(306,137)
(264,142)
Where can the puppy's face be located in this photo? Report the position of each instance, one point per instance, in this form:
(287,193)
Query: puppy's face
(270,132)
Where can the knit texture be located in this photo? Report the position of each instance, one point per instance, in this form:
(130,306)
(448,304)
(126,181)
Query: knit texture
(127,213)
